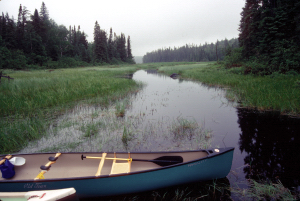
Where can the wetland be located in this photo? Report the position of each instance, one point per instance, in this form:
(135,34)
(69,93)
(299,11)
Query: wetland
(160,113)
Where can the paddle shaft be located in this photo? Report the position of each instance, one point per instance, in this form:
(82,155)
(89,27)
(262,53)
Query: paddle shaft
(94,157)
(162,161)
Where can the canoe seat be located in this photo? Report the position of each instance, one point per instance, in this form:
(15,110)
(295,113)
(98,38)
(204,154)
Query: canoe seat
(118,168)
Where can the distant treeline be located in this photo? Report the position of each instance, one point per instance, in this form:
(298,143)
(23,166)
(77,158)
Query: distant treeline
(36,41)
(194,53)
(269,41)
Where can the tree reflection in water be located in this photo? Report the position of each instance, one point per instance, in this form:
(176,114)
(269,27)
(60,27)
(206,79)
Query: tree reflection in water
(272,143)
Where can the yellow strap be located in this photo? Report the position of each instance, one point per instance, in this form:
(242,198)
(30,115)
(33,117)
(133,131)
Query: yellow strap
(40,175)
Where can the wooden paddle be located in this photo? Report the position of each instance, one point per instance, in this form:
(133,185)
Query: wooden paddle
(161,161)
(5,158)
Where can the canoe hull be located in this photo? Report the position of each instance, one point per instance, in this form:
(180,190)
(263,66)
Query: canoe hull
(208,168)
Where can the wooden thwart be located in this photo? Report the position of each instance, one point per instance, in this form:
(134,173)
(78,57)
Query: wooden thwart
(98,173)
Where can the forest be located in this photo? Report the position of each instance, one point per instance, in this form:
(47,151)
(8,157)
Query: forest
(193,53)
(268,41)
(37,42)
(270,36)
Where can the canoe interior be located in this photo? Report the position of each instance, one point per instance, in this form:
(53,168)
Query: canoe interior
(70,165)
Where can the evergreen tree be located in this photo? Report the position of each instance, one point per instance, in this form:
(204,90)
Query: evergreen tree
(97,43)
(110,46)
(129,54)
(45,24)
(121,47)
(44,13)
(36,22)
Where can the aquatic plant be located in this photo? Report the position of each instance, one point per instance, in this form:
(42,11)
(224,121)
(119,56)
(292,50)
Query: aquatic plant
(120,107)
(182,127)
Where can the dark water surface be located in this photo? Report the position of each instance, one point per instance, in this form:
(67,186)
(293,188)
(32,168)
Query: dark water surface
(267,145)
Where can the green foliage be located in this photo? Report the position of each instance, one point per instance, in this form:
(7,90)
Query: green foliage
(12,59)
(233,57)
(270,37)
(36,41)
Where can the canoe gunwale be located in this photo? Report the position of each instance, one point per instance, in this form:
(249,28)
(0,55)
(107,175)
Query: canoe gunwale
(210,155)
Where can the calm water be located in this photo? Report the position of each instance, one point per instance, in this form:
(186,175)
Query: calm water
(267,145)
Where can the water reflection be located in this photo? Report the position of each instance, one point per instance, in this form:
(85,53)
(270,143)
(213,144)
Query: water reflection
(272,144)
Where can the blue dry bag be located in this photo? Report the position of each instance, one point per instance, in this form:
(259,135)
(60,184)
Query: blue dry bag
(7,169)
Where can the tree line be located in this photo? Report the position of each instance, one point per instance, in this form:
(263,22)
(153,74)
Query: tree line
(36,41)
(193,53)
(269,41)
(270,36)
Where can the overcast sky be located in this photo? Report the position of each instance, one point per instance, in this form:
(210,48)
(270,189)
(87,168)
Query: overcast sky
(151,24)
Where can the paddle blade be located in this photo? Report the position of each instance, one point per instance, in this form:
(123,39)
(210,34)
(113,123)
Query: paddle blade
(168,160)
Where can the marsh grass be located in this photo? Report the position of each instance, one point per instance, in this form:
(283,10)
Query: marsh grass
(275,92)
(32,91)
(264,191)
(34,99)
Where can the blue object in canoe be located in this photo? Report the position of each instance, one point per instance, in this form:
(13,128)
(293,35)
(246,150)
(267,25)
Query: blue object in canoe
(104,174)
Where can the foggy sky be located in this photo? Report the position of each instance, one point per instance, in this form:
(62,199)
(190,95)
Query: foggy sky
(151,24)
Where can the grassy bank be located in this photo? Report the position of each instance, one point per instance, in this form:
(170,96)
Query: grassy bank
(275,92)
(34,98)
